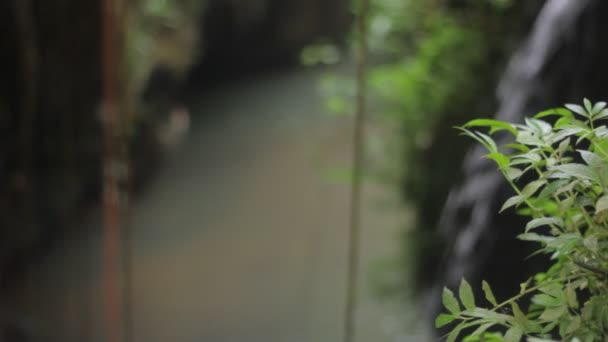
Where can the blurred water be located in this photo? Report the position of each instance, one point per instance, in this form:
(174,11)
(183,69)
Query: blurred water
(469,216)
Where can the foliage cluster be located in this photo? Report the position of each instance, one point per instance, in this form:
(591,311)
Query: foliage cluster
(161,33)
(433,64)
(559,173)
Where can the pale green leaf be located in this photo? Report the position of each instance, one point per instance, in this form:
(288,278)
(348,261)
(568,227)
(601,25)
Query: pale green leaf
(513,173)
(466,295)
(542,221)
(553,313)
(601,208)
(577,109)
(487,290)
(444,319)
(535,237)
(602,114)
(573,170)
(520,317)
(588,105)
(482,329)
(593,160)
(450,302)
(511,202)
(598,107)
(514,334)
(532,187)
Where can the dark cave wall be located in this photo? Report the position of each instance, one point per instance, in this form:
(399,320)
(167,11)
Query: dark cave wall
(50,141)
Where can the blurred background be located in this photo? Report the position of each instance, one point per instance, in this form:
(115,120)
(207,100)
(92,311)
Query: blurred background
(179,170)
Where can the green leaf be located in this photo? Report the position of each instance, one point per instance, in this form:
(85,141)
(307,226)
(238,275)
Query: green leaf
(547,301)
(529,156)
(514,334)
(535,237)
(577,109)
(532,187)
(466,295)
(554,290)
(450,302)
(536,339)
(513,173)
(564,133)
(573,325)
(529,138)
(500,159)
(553,313)
(494,125)
(491,145)
(598,107)
(511,202)
(593,160)
(520,317)
(489,315)
(487,290)
(601,209)
(563,112)
(453,335)
(588,105)
(517,147)
(482,329)
(573,170)
(602,114)
(544,221)
(486,141)
(444,319)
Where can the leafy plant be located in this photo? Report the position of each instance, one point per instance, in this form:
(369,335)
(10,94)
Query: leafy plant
(559,173)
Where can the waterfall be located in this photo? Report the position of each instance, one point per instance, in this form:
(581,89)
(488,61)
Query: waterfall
(468,221)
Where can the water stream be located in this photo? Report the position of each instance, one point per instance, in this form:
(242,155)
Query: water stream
(469,218)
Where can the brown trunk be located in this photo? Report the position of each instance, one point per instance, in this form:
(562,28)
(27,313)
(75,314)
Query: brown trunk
(114,165)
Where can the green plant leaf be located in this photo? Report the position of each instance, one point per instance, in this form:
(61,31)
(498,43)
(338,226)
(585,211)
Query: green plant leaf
(466,295)
(532,187)
(601,209)
(489,315)
(487,290)
(500,159)
(553,313)
(588,105)
(593,160)
(529,138)
(513,173)
(520,317)
(514,334)
(450,302)
(554,290)
(444,319)
(535,237)
(482,329)
(598,107)
(563,112)
(542,221)
(511,202)
(494,125)
(565,133)
(577,109)
(602,114)
(573,170)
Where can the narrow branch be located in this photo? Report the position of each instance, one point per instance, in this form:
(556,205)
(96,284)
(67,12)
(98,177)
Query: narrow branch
(358,154)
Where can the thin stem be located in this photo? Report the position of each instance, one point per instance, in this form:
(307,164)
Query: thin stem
(358,152)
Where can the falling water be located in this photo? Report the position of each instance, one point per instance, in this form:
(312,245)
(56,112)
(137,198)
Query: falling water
(469,213)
